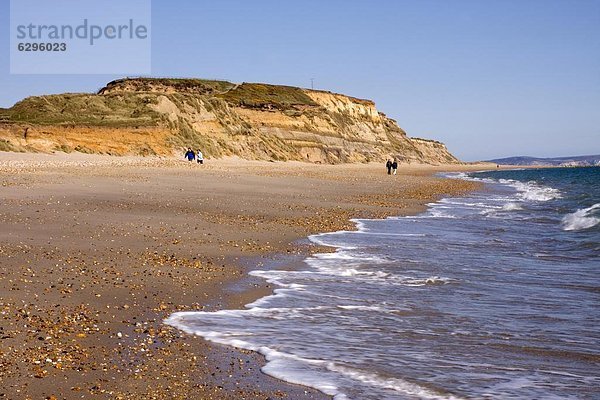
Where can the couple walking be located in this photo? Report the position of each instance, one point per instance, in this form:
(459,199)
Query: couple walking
(391,166)
(191,156)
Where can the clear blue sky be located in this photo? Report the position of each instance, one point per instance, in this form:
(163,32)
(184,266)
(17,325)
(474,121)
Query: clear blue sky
(489,78)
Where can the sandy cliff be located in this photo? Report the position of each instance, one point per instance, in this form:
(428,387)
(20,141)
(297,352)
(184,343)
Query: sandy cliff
(253,121)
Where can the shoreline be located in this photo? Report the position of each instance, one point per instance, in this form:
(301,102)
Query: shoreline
(118,356)
(290,262)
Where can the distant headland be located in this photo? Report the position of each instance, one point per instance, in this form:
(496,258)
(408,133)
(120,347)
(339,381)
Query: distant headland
(573,161)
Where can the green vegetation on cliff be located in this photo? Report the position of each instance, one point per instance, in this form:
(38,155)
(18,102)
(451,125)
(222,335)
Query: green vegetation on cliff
(250,120)
(4,115)
(114,110)
(190,85)
(260,95)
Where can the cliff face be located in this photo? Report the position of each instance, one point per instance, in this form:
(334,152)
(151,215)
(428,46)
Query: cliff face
(254,121)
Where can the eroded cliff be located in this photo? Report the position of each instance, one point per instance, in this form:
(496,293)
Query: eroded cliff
(254,121)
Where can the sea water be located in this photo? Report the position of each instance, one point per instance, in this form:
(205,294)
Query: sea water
(491,295)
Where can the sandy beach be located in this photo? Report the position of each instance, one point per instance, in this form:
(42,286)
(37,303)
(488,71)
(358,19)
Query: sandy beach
(97,251)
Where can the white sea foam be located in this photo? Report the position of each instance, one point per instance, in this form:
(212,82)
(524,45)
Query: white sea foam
(501,211)
(436,213)
(277,293)
(362,308)
(346,257)
(432,280)
(398,385)
(512,206)
(532,191)
(321,240)
(288,367)
(375,308)
(457,175)
(274,278)
(381,277)
(279,313)
(528,191)
(297,370)
(581,219)
(322,375)
(464,203)
(360,225)
(385,234)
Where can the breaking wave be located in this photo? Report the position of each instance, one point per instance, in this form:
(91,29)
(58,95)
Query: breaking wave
(581,219)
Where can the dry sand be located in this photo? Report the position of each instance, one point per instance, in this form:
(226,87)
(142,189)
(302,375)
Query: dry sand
(96,251)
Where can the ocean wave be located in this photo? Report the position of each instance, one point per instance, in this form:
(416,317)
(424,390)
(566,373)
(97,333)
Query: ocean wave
(381,277)
(581,219)
(512,206)
(300,371)
(366,308)
(503,211)
(319,239)
(528,191)
(432,280)
(323,375)
(466,202)
(395,384)
(274,278)
(337,266)
(386,234)
(434,213)
(533,191)
(466,176)
(355,256)
(288,367)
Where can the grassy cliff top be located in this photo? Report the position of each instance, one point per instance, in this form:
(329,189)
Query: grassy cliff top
(198,86)
(247,93)
(124,102)
(84,109)
(262,95)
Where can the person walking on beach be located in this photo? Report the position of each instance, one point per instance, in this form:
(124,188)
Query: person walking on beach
(189,154)
(395,166)
(388,165)
(200,157)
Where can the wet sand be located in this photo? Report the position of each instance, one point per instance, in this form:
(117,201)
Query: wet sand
(97,251)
